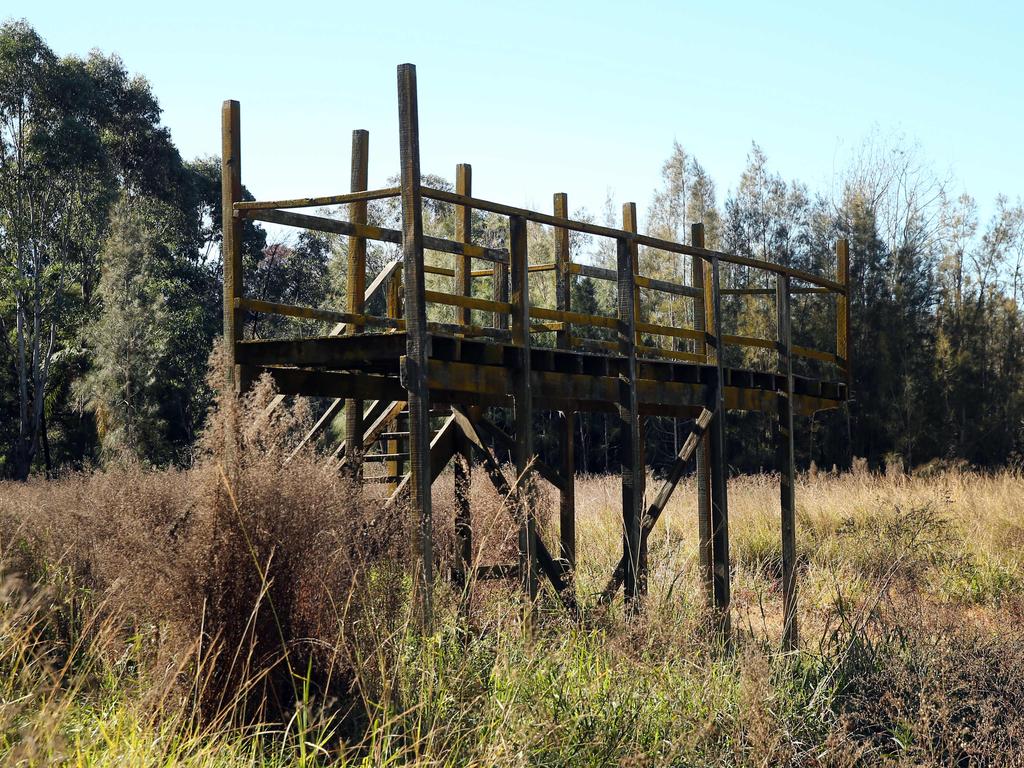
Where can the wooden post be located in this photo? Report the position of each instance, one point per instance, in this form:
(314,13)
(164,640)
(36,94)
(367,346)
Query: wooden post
(630,223)
(567,421)
(700,309)
(231,247)
(417,342)
(395,467)
(786,462)
(843,313)
(462,467)
(629,424)
(719,473)
(499,279)
(518,263)
(356,293)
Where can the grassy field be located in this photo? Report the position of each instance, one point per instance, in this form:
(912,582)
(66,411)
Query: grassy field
(155,618)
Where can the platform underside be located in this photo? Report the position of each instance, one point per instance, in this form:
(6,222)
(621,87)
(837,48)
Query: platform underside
(477,372)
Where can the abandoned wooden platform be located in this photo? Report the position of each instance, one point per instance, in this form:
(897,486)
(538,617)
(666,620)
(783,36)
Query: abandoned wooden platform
(417,393)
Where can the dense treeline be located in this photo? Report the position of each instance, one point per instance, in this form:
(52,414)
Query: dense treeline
(110,294)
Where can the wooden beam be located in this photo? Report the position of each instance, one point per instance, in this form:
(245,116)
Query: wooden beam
(843,313)
(319,202)
(567,419)
(356,291)
(417,342)
(520,299)
(631,224)
(629,424)
(508,493)
(462,468)
(646,240)
(231,244)
(383,234)
(719,476)
(786,464)
(440,452)
(302,381)
(700,316)
(374,352)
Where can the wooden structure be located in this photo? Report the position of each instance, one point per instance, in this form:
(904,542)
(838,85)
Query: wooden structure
(414,392)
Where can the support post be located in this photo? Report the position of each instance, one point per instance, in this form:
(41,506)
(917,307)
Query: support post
(523,411)
(567,421)
(630,223)
(231,245)
(395,467)
(417,341)
(843,313)
(356,293)
(786,461)
(719,473)
(462,468)
(629,424)
(700,312)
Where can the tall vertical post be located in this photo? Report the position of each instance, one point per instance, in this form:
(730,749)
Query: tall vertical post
(843,312)
(417,341)
(528,568)
(393,298)
(786,462)
(567,420)
(499,280)
(462,467)
(356,293)
(230,193)
(701,305)
(719,472)
(630,223)
(629,424)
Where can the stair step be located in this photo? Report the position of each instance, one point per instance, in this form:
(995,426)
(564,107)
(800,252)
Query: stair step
(385,456)
(393,435)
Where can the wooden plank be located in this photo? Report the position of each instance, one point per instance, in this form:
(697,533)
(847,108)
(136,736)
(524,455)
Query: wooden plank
(670,330)
(645,240)
(577,318)
(468,302)
(440,452)
(594,273)
(719,476)
(671,354)
(813,354)
(417,342)
(567,419)
(319,202)
(747,341)
(664,286)
(301,381)
(430,269)
(787,466)
(462,467)
(631,224)
(843,313)
(356,291)
(523,412)
(700,316)
(374,352)
(309,313)
(629,425)
(382,234)
(231,244)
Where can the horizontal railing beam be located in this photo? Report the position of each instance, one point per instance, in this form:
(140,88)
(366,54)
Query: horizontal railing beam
(645,240)
(312,202)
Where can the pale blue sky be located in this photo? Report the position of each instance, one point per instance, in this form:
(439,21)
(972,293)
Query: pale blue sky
(578,97)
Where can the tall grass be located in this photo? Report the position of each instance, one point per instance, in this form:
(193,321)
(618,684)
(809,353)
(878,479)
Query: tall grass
(261,618)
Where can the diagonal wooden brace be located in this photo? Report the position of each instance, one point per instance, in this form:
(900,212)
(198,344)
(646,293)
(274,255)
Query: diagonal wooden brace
(508,491)
(654,511)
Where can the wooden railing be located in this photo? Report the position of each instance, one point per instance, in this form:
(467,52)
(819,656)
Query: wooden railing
(703,339)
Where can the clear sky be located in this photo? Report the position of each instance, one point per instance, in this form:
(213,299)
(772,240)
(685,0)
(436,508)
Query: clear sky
(580,97)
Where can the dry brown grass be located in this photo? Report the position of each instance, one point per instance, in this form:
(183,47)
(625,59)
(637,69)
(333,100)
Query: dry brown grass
(276,600)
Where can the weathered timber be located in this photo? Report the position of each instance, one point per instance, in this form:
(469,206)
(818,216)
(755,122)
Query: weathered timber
(462,467)
(653,513)
(719,475)
(319,202)
(786,462)
(231,192)
(703,451)
(356,290)
(567,418)
(417,346)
